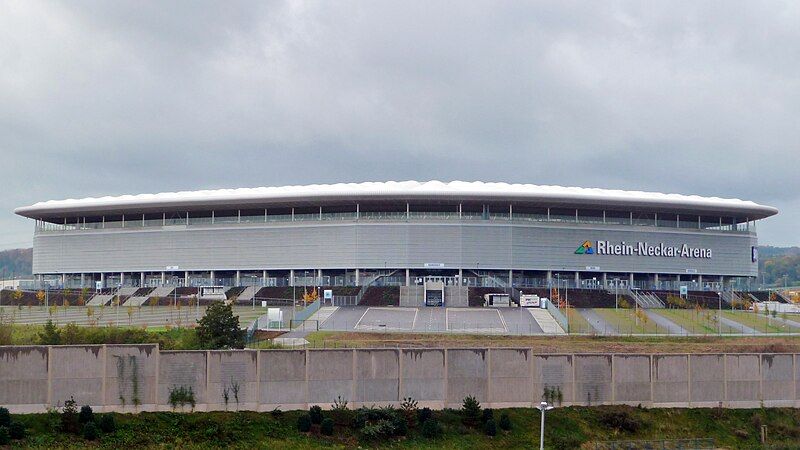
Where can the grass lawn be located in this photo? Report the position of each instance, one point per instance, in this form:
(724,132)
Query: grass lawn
(759,322)
(696,322)
(626,322)
(578,323)
(566,428)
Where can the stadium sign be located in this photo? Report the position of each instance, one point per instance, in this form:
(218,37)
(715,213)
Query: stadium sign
(643,249)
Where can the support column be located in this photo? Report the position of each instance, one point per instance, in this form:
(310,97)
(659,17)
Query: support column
(577,279)
(319,277)
(549,278)
(238,278)
(64,280)
(122,279)
(163,278)
(630,280)
(141,279)
(605,280)
(102,280)
(83,280)
(211,277)
(510,278)
(186,278)
(408,276)
(264,278)
(358,278)
(700,281)
(291,277)
(655,280)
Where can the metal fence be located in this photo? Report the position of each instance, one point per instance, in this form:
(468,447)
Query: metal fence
(660,444)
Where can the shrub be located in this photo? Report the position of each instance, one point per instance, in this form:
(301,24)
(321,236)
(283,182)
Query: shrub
(471,411)
(315,412)
(327,426)
(181,396)
(304,423)
(424,414)
(69,416)
(619,419)
(90,431)
(86,415)
(378,430)
(490,428)
(219,328)
(5,417)
(409,408)
(430,428)
(488,414)
(505,422)
(339,404)
(107,423)
(16,430)
(5,437)
(400,425)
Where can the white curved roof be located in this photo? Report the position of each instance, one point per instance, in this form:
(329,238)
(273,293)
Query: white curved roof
(405,190)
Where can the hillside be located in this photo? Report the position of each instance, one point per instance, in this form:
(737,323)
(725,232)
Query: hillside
(16,263)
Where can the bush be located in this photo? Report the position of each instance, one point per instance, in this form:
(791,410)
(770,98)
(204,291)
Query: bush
(424,414)
(400,425)
(430,428)
(378,430)
(490,428)
(5,437)
(5,417)
(69,416)
(410,410)
(86,415)
(471,411)
(219,328)
(505,422)
(619,419)
(488,414)
(90,431)
(16,430)
(304,423)
(315,412)
(107,423)
(327,426)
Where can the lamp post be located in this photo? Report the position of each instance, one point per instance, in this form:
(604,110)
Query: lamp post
(719,314)
(543,406)
(616,293)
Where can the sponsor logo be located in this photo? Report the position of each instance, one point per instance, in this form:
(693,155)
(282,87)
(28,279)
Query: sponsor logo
(585,249)
(643,249)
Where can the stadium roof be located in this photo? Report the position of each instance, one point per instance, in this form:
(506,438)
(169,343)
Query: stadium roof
(321,194)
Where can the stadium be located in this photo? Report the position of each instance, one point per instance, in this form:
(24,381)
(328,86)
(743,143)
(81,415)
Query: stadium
(462,234)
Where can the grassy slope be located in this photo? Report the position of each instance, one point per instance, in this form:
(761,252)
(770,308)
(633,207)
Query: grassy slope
(759,322)
(625,321)
(566,428)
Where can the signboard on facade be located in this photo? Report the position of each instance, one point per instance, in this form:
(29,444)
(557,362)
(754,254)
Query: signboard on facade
(327,294)
(434,265)
(659,249)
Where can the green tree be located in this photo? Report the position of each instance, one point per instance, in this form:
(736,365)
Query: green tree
(219,328)
(51,335)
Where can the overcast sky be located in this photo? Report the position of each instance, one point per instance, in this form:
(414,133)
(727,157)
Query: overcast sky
(100,98)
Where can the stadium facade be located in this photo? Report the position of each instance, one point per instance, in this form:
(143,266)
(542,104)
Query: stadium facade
(470,233)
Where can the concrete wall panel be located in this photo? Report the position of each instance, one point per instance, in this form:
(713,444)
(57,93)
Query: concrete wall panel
(511,381)
(77,371)
(632,379)
(553,372)
(593,382)
(330,375)
(23,378)
(283,379)
(670,379)
(232,375)
(131,377)
(467,374)
(777,375)
(187,369)
(377,376)
(707,374)
(743,378)
(423,376)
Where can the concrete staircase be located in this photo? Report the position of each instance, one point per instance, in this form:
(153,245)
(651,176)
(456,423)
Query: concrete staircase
(100,299)
(546,321)
(247,294)
(644,299)
(162,292)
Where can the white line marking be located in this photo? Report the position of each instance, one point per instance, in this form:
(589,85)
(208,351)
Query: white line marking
(361,318)
(414,322)
(502,320)
(447,319)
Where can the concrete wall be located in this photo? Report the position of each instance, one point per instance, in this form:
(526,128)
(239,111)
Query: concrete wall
(132,378)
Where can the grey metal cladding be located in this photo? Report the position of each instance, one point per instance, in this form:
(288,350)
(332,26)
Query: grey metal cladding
(484,245)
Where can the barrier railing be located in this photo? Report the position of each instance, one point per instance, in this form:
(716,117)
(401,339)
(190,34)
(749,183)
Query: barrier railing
(307,312)
(558,315)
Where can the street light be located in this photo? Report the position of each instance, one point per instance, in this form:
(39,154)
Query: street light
(719,314)
(616,293)
(543,406)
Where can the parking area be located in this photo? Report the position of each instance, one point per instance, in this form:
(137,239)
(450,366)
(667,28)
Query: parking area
(516,321)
